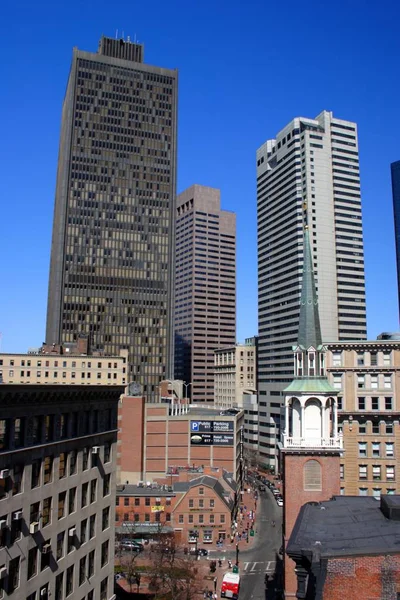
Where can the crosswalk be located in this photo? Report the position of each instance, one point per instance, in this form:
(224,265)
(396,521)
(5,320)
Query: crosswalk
(257,567)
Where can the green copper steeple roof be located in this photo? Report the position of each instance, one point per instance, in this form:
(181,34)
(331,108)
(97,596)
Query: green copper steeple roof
(309,326)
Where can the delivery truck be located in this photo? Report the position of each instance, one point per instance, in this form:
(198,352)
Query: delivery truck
(230,586)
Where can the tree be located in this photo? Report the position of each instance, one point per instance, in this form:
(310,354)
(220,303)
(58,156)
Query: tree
(174,575)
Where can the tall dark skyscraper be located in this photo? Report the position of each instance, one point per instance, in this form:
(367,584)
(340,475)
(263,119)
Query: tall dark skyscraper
(112,259)
(395,169)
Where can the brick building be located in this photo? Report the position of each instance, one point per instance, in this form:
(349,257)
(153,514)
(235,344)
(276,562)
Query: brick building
(347,547)
(57,490)
(156,437)
(198,508)
(366,376)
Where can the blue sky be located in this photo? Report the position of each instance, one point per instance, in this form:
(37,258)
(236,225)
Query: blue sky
(245,69)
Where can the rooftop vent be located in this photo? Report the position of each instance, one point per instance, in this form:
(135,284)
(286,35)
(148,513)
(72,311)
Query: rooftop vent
(390,506)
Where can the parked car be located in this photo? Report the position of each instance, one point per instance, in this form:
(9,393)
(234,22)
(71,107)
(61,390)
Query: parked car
(131,545)
(276,492)
(279,502)
(262,488)
(198,551)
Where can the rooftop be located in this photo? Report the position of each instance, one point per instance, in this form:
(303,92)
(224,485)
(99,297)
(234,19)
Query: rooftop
(347,526)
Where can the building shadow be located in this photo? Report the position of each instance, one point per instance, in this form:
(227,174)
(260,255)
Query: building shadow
(274,581)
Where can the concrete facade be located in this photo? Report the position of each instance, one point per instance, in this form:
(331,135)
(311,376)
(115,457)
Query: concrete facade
(309,173)
(57,490)
(112,258)
(367,378)
(166,440)
(234,374)
(205,287)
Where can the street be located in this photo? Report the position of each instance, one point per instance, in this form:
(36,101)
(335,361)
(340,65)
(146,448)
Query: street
(262,558)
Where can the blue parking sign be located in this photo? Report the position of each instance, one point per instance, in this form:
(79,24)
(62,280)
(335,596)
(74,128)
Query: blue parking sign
(194,425)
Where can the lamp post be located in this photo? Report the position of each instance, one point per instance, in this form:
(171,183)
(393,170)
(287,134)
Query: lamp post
(237,554)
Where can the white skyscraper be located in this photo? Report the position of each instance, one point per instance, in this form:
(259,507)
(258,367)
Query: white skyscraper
(308,174)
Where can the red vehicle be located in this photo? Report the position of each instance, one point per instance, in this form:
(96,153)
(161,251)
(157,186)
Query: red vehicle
(230,586)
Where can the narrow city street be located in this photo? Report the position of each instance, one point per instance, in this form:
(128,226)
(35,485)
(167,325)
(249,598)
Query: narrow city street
(262,557)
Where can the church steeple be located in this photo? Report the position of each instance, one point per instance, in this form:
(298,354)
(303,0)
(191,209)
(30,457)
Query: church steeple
(309,326)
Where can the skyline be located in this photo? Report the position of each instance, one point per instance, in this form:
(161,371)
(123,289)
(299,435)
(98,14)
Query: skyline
(208,57)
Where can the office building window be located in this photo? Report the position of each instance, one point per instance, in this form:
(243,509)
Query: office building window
(389,403)
(337,381)
(376,492)
(362,472)
(376,472)
(341,471)
(390,472)
(375,427)
(376,449)
(389,428)
(375,403)
(363,491)
(374,382)
(389,449)
(69,586)
(362,449)
(361,403)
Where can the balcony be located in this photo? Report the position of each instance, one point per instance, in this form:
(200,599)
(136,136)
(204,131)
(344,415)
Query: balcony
(313,443)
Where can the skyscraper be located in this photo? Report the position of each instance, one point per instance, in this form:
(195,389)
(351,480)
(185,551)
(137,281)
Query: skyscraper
(112,260)
(309,173)
(205,289)
(395,170)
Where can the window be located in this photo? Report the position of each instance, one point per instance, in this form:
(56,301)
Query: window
(16,529)
(388,403)
(386,359)
(19,430)
(376,492)
(374,382)
(46,511)
(126,501)
(375,403)
(201,491)
(190,519)
(212,503)
(106,485)
(374,359)
(69,586)
(391,491)
(341,471)
(361,381)
(363,491)
(201,503)
(389,449)
(48,428)
(201,518)
(362,472)
(191,503)
(92,526)
(84,494)
(93,490)
(337,381)
(342,491)
(62,497)
(105,520)
(376,472)
(312,475)
(147,501)
(390,472)
(60,545)
(85,459)
(212,517)
(82,570)
(48,470)
(13,574)
(35,473)
(136,518)
(63,426)
(83,530)
(32,562)
(222,519)
(361,403)
(104,553)
(376,449)
(18,473)
(362,449)
(147,517)
(91,564)
(107,452)
(126,516)
(337,359)
(4,434)
(72,462)
(103,589)
(71,500)
(375,427)
(387,382)
(62,465)
(360,360)
(389,428)
(362,428)
(137,501)
(180,519)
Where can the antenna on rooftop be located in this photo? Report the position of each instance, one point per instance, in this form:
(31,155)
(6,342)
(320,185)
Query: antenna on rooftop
(116,34)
